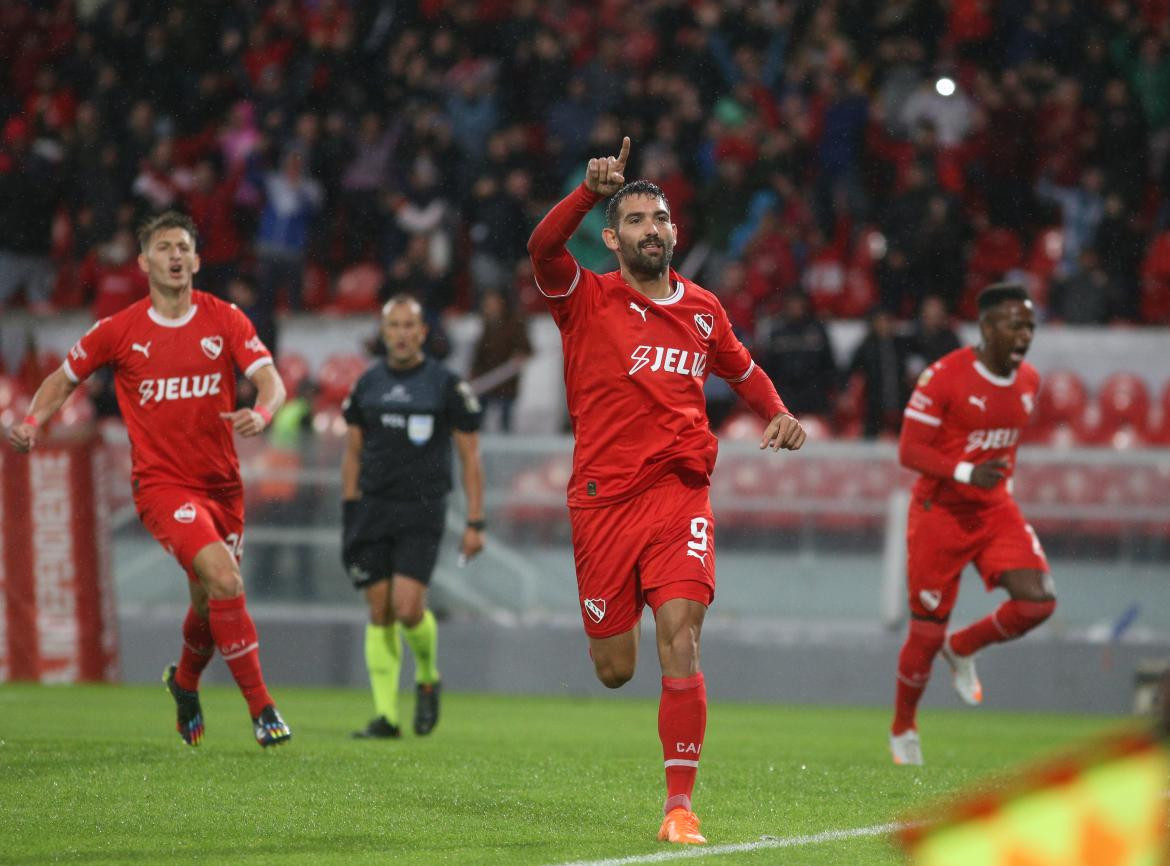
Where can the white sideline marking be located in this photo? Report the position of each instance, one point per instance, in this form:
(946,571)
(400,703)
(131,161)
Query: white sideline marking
(765,843)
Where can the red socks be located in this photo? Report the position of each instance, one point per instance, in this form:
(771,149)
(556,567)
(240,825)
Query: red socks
(235,638)
(1010,620)
(682,721)
(198,647)
(922,644)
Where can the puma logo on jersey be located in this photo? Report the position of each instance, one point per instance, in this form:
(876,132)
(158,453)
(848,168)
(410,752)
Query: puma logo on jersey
(702,557)
(254,344)
(981,402)
(985,440)
(595,607)
(144,348)
(1029,403)
(682,361)
(641,311)
(178,388)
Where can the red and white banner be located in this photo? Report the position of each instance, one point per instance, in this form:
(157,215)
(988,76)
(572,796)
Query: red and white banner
(57,616)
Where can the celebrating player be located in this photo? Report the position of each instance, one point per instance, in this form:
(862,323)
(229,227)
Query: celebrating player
(403,414)
(961,430)
(638,345)
(174,355)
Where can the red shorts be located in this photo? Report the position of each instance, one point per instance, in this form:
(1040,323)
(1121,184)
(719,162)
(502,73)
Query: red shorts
(941,542)
(185,521)
(648,549)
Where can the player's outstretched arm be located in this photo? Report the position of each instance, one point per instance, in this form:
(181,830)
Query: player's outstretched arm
(605,175)
(783,432)
(50,396)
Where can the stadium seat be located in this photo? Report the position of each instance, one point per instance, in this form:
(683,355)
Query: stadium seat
(744,427)
(77,415)
(1122,412)
(358,288)
(9,388)
(1062,401)
(315,295)
(1155,295)
(293,369)
(336,378)
(1158,429)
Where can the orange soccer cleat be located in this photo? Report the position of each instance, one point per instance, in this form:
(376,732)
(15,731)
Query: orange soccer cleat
(682,826)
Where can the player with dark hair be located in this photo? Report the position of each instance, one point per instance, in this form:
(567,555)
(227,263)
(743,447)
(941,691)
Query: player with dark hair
(402,415)
(960,431)
(638,344)
(175,355)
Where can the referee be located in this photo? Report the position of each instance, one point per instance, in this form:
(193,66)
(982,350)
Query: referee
(402,416)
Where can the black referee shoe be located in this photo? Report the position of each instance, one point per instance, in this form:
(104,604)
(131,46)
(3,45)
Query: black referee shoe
(378,729)
(426,708)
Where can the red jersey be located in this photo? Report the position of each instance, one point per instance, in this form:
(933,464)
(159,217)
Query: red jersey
(173,378)
(962,413)
(635,367)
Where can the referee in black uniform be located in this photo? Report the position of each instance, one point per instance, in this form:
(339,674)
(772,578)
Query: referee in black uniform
(402,416)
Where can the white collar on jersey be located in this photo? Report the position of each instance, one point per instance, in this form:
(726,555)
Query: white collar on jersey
(673,298)
(159,319)
(1002,381)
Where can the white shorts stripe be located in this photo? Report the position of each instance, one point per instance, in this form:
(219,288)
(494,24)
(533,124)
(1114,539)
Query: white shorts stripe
(923,417)
(249,648)
(679,762)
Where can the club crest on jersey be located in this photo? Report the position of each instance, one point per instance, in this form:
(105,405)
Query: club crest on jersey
(185,513)
(419,428)
(685,362)
(212,346)
(930,598)
(705,322)
(595,607)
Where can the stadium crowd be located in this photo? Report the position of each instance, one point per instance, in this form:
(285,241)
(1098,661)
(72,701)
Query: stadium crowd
(864,154)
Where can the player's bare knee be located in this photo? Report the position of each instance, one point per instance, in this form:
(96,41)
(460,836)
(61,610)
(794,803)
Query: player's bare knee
(614,675)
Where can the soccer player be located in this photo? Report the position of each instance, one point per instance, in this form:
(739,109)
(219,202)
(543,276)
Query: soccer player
(402,415)
(174,355)
(638,344)
(960,431)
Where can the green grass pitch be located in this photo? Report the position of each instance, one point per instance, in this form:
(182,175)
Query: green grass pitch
(97,775)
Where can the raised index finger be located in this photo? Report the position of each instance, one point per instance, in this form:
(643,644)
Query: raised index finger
(625,153)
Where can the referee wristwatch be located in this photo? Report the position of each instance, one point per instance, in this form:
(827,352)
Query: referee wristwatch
(477,525)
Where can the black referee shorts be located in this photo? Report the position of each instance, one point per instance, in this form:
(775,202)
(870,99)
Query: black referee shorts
(382,538)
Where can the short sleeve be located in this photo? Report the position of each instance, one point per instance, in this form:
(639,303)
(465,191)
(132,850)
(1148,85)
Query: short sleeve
(95,349)
(928,403)
(248,351)
(351,407)
(463,406)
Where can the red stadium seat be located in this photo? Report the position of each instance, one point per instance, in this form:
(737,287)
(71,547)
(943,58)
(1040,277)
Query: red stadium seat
(1155,296)
(358,288)
(1061,401)
(293,369)
(1123,410)
(9,389)
(745,427)
(336,377)
(1158,430)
